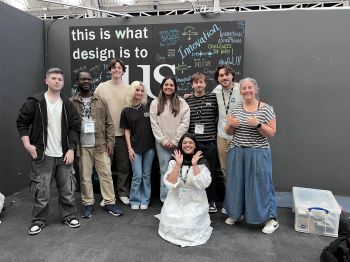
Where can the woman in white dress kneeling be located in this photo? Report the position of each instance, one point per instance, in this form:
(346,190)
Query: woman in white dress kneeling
(184,219)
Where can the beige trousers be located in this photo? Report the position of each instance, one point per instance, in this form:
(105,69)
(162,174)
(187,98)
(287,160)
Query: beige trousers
(222,145)
(91,157)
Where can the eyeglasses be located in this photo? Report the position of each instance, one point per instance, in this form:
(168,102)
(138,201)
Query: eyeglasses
(85,79)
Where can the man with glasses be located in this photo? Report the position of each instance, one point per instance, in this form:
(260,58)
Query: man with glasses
(95,146)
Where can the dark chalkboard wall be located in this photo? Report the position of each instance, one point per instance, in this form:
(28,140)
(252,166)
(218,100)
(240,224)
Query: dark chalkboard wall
(301,61)
(154,51)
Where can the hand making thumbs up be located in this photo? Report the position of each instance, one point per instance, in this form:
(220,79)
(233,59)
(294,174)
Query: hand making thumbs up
(252,121)
(232,120)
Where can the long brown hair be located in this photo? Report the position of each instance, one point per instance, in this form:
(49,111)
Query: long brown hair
(174,100)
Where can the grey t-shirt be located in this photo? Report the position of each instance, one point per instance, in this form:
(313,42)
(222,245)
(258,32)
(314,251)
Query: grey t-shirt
(87,135)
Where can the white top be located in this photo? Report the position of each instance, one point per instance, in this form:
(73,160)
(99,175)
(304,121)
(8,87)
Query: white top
(54,130)
(184,219)
(235,99)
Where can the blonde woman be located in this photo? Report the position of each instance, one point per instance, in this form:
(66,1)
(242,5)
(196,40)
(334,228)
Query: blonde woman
(140,141)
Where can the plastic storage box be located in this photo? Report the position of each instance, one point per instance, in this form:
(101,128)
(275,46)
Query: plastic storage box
(316,211)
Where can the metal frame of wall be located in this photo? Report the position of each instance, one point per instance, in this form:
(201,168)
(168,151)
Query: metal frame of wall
(196,7)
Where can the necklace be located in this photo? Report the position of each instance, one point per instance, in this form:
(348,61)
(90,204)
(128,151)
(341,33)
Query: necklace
(136,107)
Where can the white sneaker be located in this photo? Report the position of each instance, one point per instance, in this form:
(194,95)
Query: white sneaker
(125,200)
(270,226)
(223,210)
(143,206)
(135,207)
(230,221)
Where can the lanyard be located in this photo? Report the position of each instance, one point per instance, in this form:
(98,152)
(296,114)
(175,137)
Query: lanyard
(184,177)
(229,99)
(199,111)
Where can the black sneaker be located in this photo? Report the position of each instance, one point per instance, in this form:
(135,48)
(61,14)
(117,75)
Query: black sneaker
(36,228)
(87,211)
(113,209)
(72,222)
(212,207)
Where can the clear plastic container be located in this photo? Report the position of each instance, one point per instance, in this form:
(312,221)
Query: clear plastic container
(316,211)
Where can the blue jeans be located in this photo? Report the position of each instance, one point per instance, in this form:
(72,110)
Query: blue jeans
(164,156)
(249,187)
(140,191)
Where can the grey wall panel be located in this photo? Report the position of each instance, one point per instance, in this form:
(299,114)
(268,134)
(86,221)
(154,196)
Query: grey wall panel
(300,61)
(21,67)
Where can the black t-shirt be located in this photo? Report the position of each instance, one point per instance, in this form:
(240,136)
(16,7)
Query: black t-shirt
(139,124)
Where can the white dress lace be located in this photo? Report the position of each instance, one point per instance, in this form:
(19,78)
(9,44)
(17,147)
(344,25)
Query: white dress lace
(184,219)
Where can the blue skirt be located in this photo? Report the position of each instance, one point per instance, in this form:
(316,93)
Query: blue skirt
(249,186)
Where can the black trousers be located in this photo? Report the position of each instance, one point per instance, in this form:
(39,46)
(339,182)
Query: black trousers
(209,150)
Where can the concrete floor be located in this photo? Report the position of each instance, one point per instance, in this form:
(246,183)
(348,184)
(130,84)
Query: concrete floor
(133,237)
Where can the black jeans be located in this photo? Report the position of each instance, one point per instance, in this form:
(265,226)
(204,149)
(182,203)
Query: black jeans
(42,174)
(210,153)
(120,165)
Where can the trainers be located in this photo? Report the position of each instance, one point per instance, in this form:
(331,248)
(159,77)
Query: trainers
(125,200)
(87,211)
(212,207)
(223,211)
(72,222)
(230,221)
(270,226)
(113,209)
(143,206)
(36,228)
(135,207)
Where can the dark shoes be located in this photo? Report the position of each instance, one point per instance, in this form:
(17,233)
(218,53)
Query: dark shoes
(212,207)
(36,228)
(72,222)
(87,211)
(113,209)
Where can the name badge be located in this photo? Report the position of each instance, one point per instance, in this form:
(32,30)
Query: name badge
(199,129)
(184,193)
(89,127)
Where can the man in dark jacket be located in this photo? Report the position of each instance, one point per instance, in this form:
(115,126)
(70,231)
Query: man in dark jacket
(49,127)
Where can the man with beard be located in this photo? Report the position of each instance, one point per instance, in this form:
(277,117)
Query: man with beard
(228,95)
(95,146)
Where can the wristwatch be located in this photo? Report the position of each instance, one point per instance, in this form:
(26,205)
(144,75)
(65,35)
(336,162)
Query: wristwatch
(259,125)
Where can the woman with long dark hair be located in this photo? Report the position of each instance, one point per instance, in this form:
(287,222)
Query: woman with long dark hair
(184,219)
(170,118)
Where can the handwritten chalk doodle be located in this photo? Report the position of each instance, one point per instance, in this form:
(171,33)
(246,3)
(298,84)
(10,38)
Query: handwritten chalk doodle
(189,31)
(171,53)
(182,67)
(231,60)
(169,37)
(160,58)
(183,83)
(203,54)
(199,63)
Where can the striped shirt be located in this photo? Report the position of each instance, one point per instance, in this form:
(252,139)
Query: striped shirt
(204,113)
(250,136)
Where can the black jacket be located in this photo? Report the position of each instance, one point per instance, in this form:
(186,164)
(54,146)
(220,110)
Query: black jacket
(32,122)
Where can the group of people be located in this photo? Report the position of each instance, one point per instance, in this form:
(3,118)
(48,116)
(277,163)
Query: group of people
(116,125)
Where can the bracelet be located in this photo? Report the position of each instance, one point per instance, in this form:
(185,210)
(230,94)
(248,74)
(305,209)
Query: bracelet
(129,150)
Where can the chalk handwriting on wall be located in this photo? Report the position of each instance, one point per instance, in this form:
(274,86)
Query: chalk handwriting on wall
(154,51)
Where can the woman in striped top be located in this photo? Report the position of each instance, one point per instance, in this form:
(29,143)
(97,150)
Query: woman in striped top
(249,187)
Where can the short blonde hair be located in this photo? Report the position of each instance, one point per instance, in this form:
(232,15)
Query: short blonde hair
(134,85)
